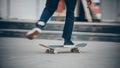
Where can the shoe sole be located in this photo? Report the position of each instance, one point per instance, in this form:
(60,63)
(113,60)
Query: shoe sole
(32,35)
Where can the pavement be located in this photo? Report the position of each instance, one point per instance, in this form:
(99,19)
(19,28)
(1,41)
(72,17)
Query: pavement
(24,53)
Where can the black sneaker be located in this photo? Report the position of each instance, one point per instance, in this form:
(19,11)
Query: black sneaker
(68,43)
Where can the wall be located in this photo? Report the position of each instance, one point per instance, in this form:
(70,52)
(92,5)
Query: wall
(118,11)
(21,9)
(110,10)
(3,9)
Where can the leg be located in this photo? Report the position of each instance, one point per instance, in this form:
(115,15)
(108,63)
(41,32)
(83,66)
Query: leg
(51,6)
(81,13)
(69,22)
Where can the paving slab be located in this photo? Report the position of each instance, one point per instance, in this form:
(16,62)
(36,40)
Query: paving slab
(24,53)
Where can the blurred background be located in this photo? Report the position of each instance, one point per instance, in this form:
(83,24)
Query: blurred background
(101,22)
(31,9)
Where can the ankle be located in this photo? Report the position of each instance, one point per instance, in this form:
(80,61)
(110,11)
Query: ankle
(41,23)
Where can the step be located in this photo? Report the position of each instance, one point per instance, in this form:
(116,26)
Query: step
(58,26)
(89,36)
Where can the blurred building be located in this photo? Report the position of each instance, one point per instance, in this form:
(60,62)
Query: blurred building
(17,17)
(106,10)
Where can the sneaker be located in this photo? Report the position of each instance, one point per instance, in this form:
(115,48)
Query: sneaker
(68,43)
(33,33)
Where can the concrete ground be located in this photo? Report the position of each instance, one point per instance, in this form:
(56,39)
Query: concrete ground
(23,53)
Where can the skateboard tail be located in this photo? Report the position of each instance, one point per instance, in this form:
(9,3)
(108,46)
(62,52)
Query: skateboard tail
(44,45)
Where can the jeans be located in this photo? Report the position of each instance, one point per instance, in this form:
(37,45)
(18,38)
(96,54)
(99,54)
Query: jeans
(50,8)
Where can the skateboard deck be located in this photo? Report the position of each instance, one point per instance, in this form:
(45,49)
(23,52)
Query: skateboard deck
(53,48)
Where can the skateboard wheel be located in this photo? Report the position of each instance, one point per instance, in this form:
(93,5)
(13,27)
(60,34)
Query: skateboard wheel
(47,51)
(75,50)
(72,50)
(53,51)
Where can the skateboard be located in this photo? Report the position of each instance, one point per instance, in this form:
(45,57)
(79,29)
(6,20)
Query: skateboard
(53,48)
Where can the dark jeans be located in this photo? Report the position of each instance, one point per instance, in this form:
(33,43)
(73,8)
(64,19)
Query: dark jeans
(50,8)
